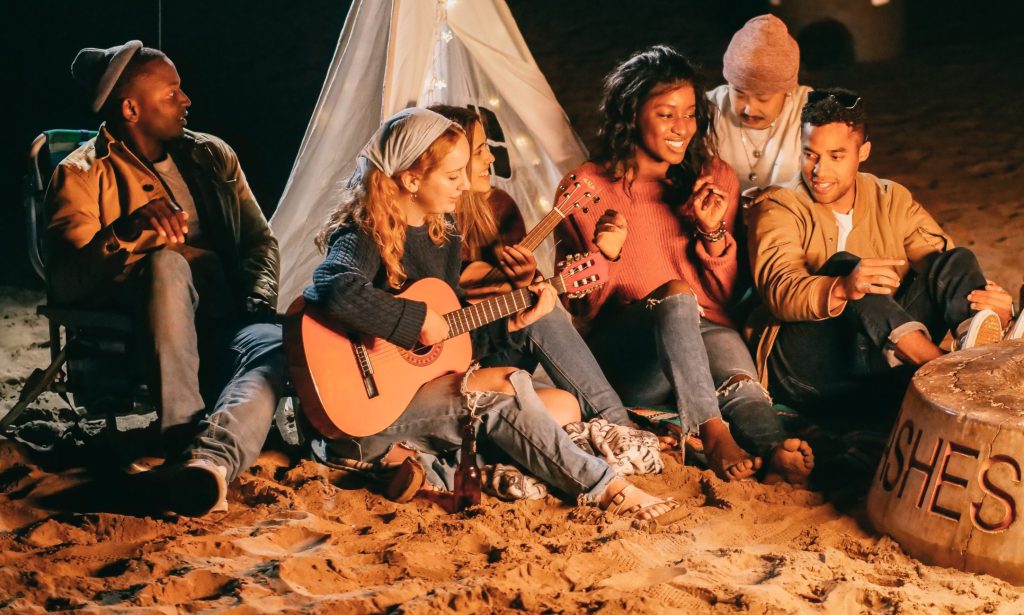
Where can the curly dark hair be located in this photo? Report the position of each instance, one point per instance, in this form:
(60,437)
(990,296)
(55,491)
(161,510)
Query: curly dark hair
(626,89)
(836,106)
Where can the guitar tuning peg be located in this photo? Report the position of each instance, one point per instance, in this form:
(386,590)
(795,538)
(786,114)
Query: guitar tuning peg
(597,200)
(572,177)
(586,194)
(586,210)
(561,187)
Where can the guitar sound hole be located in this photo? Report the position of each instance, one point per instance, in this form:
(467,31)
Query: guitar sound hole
(423,350)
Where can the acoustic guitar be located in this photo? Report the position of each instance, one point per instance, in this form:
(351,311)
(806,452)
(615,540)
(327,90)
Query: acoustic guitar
(354,385)
(572,197)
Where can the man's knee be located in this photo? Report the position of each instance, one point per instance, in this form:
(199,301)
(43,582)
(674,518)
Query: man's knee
(959,259)
(169,263)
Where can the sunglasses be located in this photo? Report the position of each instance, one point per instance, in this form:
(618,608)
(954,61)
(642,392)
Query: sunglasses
(849,101)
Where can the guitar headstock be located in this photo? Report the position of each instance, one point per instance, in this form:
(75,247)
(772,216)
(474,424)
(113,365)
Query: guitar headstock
(574,194)
(580,274)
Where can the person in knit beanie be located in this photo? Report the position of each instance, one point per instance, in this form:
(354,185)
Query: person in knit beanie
(157,220)
(757,119)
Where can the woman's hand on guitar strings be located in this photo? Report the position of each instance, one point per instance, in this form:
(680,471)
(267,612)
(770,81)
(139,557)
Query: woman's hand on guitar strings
(546,299)
(435,328)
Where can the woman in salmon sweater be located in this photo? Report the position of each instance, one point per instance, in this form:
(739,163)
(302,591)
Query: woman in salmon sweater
(661,327)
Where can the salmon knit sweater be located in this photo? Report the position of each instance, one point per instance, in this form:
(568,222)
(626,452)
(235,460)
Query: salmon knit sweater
(659,247)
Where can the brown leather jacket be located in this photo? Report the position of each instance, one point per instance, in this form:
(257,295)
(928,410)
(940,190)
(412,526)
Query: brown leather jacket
(791,237)
(103,180)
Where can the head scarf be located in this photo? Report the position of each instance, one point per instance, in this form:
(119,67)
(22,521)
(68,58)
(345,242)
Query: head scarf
(400,140)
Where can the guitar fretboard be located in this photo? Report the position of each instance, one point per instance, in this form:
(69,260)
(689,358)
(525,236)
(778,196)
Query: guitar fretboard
(547,224)
(489,310)
(539,233)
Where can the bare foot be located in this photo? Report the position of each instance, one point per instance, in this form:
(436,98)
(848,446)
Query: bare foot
(792,462)
(725,457)
(623,498)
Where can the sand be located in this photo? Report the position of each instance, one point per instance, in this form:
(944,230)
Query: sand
(302,538)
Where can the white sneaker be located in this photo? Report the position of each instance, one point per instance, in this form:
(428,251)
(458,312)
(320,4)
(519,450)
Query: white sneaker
(1016,332)
(984,328)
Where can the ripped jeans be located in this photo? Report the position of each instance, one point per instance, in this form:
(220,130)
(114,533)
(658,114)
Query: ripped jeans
(665,350)
(518,426)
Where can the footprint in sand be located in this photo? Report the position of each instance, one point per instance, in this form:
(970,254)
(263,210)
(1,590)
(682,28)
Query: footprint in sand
(285,540)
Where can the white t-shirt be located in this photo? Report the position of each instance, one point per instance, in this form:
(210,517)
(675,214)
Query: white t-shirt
(181,195)
(779,163)
(845,223)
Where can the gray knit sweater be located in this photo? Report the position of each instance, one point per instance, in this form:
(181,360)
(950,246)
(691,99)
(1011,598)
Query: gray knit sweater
(349,285)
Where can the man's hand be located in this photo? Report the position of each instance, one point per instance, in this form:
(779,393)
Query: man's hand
(871,276)
(610,234)
(994,297)
(546,299)
(518,264)
(161,215)
(435,328)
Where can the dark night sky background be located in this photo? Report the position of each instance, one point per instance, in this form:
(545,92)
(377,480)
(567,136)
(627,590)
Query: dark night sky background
(254,68)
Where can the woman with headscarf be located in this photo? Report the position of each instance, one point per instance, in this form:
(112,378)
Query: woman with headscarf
(394,226)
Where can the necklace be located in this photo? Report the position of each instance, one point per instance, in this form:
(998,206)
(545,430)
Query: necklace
(757,150)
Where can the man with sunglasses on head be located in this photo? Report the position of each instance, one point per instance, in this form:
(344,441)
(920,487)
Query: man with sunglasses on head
(861,281)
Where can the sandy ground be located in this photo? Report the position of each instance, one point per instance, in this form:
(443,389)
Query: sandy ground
(301,538)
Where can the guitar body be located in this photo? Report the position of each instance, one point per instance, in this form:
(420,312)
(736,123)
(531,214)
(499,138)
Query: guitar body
(338,396)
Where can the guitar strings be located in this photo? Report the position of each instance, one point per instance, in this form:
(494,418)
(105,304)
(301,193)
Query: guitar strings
(395,351)
(539,233)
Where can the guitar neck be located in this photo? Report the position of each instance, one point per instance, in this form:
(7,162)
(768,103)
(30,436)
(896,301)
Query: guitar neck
(495,308)
(540,232)
(531,242)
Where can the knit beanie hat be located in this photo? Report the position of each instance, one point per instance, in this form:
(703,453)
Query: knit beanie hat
(98,70)
(762,57)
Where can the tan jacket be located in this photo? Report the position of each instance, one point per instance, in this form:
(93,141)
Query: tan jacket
(791,237)
(103,180)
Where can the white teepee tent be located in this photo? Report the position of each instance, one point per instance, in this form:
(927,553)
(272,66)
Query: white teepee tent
(395,54)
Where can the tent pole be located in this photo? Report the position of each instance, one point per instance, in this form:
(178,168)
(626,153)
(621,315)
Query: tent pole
(389,67)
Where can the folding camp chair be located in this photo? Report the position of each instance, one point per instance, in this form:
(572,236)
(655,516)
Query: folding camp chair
(94,354)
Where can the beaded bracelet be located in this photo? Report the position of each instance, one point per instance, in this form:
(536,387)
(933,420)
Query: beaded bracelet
(716,235)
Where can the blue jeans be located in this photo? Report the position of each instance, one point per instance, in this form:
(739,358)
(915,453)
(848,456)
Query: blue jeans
(246,365)
(558,347)
(848,360)
(517,425)
(657,351)
(233,434)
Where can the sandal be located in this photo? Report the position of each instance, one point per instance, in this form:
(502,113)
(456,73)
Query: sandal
(617,506)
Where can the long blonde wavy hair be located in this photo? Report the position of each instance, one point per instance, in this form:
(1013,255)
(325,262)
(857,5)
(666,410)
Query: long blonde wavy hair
(371,204)
(473,214)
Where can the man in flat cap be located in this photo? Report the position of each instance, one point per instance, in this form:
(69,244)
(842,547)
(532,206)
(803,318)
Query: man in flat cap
(153,216)
(757,121)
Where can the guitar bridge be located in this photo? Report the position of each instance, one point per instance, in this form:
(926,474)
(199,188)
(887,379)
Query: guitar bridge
(366,370)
